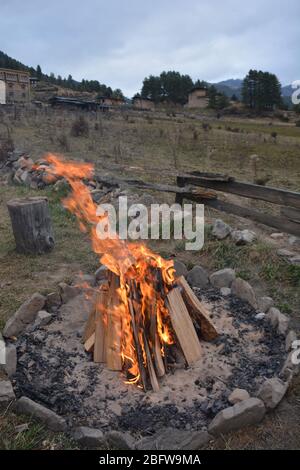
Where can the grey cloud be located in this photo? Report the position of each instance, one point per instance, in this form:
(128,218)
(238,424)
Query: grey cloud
(121,42)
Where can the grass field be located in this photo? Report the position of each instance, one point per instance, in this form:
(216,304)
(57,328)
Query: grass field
(154,147)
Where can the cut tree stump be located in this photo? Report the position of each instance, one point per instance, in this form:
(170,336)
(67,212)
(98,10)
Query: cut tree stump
(31,224)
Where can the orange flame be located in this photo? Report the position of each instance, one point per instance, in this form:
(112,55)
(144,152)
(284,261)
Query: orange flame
(130,261)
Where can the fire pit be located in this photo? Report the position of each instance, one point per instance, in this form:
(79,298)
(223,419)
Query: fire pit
(140,350)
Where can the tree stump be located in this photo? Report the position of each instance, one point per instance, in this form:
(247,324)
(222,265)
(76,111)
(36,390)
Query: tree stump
(31,224)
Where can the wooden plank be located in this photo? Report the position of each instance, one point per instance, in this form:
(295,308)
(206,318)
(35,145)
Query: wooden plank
(183,326)
(100,328)
(155,342)
(197,310)
(150,366)
(138,348)
(114,326)
(89,343)
(253,191)
(90,326)
(280,223)
(291,214)
(212,176)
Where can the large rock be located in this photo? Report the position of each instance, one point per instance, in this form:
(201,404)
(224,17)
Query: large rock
(180,269)
(222,278)
(278,320)
(174,439)
(245,413)
(272,392)
(41,413)
(24,315)
(89,437)
(120,440)
(265,303)
(238,394)
(197,277)
(6,393)
(244,291)
(220,229)
(243,237)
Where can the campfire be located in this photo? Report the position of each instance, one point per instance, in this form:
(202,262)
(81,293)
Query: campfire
(146,322)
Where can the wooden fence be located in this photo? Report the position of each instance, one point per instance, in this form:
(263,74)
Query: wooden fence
(204,187)
(289,201)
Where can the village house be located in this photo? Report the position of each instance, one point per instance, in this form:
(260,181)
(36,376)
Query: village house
(110,101)
(143,104)
(197,98)
(14,86)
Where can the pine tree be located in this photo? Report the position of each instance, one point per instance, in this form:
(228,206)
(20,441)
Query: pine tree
(261,90)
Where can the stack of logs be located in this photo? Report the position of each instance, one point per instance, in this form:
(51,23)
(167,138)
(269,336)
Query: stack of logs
(188,317)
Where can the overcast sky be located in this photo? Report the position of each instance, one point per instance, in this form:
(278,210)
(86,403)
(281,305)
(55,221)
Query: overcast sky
(119,42)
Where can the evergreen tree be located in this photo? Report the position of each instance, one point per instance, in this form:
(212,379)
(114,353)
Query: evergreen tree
(168,86)
(39,72)
(261,90)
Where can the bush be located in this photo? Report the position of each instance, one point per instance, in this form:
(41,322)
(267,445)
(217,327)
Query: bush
(274,135)
(80,127)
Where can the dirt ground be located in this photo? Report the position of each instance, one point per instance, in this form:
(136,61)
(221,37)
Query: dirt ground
(156,147)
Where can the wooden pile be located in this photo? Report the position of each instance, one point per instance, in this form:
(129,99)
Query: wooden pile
(108,325)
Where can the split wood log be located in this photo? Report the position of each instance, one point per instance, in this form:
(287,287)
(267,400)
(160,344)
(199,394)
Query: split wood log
(31,224)
(89,344)
(90,326)
(197,310)
(138,348)
(150,366)
(155,342)
(100,327)
(114,326)
(183,326)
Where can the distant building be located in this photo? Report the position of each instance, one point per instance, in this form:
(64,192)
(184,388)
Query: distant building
(143,104)
(198,98)
(33,82)
(14,86)
(73,103)
(110,101)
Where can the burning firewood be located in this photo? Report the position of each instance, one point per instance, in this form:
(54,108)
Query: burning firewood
(197,310)
(183,327)
(143,322)
(100,347)
(89,343)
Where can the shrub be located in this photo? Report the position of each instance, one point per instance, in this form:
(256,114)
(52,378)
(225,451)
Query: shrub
(274,135)
(80,127)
